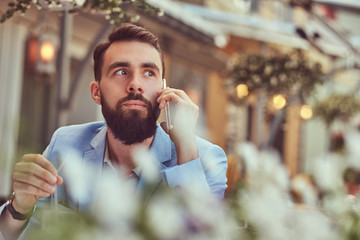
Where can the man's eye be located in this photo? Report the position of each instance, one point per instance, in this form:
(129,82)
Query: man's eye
(149,73)
(121,72)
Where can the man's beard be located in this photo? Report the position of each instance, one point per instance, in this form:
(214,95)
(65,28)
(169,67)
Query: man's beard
(129,126)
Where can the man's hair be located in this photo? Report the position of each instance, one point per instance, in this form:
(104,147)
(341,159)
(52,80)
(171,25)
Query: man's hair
(127,32)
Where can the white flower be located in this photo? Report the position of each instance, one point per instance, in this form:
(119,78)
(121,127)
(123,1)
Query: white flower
(328,172)
(267,208)
(307,224)
(165,217)
(147,164)
(79,177)
(250,154)
(263,167)
(117,203)
(273,168)
(207,214)
(80,2)
(338,204)
(306,190)
(352,139)
(355,203)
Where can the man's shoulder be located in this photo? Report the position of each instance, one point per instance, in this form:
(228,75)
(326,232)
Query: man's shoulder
(79,129)
(76,137)
(78,134)
(203,143)
(207,147)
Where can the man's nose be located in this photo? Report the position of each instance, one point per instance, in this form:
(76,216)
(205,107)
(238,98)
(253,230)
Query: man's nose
(135,85)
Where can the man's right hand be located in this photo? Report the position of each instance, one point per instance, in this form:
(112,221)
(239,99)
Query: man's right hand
(34,177)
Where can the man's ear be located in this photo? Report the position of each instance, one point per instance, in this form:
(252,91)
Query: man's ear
(95,92)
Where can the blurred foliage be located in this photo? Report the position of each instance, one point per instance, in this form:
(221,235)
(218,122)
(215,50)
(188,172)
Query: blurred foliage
(286,74)
(260,206)
(114,10)
(336,107)
(13,7)
(63,225)
(338,210)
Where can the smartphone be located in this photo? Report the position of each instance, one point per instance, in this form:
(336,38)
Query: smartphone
(167,109)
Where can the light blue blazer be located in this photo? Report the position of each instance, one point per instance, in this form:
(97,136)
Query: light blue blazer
(89,140)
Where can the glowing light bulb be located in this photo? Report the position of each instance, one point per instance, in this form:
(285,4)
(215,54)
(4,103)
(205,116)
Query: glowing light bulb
(306,112)
(279,101)
(47,51)
(242,90)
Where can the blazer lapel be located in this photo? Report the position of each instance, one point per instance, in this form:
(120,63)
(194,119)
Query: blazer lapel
(162,148)
(94,158)
(164,151)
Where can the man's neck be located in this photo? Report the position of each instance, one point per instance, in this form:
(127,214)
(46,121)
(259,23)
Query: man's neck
(121,154)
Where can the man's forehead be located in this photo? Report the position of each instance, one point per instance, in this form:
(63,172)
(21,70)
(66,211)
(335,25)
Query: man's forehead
(132,52)
(132,48)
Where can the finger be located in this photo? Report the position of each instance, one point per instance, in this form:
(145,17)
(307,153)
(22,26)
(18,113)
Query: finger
(20,187)
(33,168)
(178,97)
(170,97)
(183,95)
(40,160)
(33,181)
(59,180)
(178,92)
(179,102)
(163,96)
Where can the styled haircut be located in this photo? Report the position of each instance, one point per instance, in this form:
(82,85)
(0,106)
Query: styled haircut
(127,32)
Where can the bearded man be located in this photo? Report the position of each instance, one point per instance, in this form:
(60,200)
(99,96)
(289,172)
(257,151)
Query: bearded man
(129,70)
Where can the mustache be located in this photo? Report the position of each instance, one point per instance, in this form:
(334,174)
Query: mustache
(133,96)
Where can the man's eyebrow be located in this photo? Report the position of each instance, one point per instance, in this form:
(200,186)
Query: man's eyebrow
(116,65)
(150,65)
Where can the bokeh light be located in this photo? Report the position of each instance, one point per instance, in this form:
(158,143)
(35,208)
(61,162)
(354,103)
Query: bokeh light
(279,101)
(242,90)
(306,112)
(47,51)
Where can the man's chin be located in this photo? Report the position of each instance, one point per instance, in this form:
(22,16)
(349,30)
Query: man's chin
(143,113)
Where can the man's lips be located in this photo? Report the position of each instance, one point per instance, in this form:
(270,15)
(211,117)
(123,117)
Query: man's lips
(134,104)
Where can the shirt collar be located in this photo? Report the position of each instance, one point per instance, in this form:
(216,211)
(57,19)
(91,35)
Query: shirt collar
(109,163)
(162,147)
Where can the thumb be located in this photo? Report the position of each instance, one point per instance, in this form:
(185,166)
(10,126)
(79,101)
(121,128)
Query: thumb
(59,180)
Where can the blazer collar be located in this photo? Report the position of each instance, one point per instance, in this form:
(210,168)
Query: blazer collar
(161,147)
(99,140)
(95,158)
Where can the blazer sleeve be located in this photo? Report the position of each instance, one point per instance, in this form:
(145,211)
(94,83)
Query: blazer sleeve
(207,172)
(33,222)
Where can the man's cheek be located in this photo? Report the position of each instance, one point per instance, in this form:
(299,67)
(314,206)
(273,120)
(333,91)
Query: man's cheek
(152,99)
(155,104)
